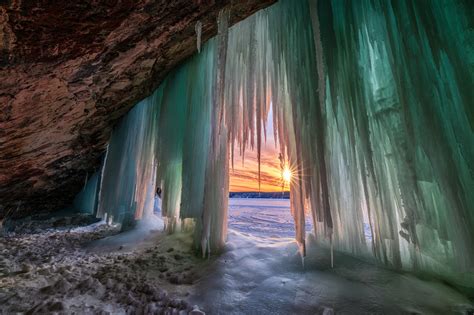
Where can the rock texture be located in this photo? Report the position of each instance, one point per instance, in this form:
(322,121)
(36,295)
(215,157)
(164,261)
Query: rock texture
(69,70)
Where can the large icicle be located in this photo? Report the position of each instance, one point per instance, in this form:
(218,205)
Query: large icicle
(128,167)
(216,191)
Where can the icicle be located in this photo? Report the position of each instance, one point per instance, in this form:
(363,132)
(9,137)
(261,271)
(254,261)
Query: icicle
(222,38)
(214,222)
(313,5)
(198,30)
(332,252)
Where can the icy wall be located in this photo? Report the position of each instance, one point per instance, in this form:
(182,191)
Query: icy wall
(165,141)
(373,107)
(398,120)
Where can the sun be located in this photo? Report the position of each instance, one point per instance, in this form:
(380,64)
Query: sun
(287,175)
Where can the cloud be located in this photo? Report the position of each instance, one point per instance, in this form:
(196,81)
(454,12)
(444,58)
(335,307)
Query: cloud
(245,177)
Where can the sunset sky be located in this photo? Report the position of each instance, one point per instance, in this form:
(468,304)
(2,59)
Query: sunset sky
(245,177)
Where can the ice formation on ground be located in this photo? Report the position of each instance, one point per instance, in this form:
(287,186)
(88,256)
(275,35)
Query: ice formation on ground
(372,106)
(260,272)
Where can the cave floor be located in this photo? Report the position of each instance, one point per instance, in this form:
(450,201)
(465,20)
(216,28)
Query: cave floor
(95,269)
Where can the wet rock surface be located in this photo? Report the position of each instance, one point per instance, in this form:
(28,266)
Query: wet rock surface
(59,271)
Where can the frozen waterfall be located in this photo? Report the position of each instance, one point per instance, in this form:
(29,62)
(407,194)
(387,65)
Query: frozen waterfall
(372,106)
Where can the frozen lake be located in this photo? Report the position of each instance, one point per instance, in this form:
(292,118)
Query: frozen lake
(266,218)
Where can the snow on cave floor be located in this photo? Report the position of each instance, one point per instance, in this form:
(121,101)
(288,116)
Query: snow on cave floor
(59,266)
(260,272)
(72,267)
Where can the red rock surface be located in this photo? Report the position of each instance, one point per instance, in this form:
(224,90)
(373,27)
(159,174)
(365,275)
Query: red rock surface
(69,70)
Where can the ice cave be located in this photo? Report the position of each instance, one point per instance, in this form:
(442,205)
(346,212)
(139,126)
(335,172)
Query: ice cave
(237,157)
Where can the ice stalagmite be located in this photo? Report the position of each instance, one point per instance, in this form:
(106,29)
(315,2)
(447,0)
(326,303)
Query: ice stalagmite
(372,107)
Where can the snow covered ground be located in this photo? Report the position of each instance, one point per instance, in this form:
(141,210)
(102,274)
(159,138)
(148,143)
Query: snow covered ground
(64,266)
(260,272)
(93,269)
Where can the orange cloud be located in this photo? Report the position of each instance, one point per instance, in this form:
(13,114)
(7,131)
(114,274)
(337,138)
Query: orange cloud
(245,177)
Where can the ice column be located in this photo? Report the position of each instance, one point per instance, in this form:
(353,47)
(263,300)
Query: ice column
(128,172)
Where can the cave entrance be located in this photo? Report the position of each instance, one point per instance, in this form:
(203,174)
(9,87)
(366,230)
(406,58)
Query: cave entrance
(259,191)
